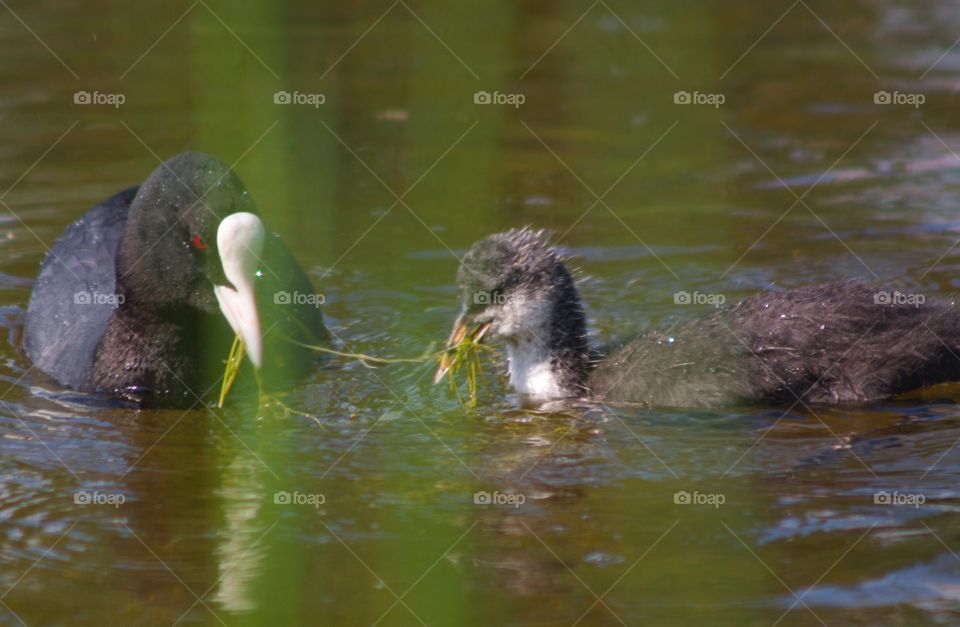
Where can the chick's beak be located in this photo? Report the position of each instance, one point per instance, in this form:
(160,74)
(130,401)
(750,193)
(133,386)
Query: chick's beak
(461,332)
(240,243)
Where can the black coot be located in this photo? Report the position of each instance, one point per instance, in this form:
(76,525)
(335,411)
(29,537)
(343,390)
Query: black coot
(140,298)
(832,343)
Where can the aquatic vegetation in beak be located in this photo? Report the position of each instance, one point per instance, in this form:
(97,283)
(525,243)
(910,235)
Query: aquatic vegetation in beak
(231,368)
(267,403)
(463,353)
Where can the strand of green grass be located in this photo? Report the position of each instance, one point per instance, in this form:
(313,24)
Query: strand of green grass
(234,361)
(465,354)
(379,360)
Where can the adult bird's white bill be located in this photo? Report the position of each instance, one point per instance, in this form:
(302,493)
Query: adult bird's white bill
(240,243)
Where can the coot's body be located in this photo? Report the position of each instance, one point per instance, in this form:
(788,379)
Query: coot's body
(833,343)
(73,299)
(125,302)
(828,343)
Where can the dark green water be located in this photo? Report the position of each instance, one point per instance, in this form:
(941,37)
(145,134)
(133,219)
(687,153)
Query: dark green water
(694,198)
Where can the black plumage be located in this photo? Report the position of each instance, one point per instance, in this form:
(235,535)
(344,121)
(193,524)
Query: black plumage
(833,343)
(124,303)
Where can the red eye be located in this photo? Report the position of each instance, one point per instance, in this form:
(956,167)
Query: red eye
(198,243)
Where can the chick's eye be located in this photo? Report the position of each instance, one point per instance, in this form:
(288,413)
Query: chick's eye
(198,243)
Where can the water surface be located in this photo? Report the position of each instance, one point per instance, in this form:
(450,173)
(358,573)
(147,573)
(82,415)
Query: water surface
(799,176)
